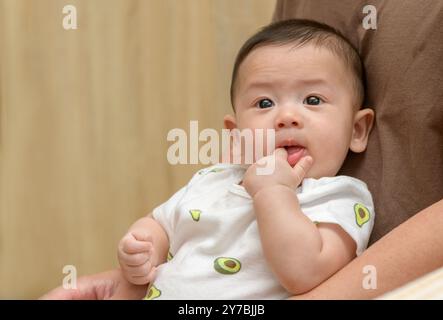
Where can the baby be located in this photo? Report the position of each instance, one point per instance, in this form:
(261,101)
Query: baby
(231,233)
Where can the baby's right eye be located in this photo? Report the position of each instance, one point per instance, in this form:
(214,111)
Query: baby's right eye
(264,103)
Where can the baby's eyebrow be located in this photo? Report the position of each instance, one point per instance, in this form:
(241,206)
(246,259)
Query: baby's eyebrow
(296,83)
(313,82)
(259,84)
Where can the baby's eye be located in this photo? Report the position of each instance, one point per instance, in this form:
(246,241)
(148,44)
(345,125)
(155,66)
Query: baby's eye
(264,103)
(313,101)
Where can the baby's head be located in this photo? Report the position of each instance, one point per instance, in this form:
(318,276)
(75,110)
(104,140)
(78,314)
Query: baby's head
(306,81)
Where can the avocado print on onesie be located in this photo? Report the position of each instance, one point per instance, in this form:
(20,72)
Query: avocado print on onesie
(362,214)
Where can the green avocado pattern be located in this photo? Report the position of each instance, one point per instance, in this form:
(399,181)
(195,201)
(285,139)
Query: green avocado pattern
(362,214)
(227,265)
(170,256)
(153,293)
(201,172)
(195,214)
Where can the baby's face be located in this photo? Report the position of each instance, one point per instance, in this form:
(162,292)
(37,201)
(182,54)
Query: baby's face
(306,94)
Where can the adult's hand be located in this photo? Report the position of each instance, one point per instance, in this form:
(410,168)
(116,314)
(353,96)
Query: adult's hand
(101,286)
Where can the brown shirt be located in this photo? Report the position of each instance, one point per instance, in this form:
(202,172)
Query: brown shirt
(403,57)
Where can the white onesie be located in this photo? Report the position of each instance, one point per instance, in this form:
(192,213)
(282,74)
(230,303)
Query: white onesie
(215,250)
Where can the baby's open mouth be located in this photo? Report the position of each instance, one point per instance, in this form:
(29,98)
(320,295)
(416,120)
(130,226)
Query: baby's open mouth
(295,151)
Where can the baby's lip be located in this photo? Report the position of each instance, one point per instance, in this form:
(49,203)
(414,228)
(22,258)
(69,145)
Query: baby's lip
(289,143)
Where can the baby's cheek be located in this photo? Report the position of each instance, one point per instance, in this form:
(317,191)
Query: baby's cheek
(334,158)
(329,156)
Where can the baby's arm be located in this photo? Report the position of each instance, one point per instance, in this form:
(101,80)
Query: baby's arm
(144,247)
(301,254)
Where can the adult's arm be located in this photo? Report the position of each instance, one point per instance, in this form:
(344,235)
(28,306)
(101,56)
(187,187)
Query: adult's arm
(101,286)
(409,251)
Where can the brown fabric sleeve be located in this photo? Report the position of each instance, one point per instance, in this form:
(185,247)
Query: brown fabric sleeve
(403,164)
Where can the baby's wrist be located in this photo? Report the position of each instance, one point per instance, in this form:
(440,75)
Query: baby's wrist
(127,275)
(273,189)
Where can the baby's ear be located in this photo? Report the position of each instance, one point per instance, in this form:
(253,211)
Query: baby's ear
(229,122)
(363,121)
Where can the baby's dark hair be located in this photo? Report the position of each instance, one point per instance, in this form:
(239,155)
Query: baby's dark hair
(301,32)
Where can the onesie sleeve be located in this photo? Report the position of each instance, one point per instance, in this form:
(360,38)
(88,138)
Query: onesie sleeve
(342,200)
(164,213)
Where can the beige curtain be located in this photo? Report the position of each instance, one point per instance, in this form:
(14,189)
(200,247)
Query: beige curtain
(84,118)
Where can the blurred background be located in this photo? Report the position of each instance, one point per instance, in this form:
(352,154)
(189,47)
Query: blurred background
(84,116)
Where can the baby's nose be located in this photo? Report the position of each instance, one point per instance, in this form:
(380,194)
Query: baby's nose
(283,124)
(287,119)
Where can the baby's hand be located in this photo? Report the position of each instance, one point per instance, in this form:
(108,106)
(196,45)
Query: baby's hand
(135,254)
(282,173)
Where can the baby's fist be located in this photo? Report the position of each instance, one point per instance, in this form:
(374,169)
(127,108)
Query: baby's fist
(135,255)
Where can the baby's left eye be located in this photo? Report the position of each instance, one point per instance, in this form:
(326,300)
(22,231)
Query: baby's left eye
(313,100)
